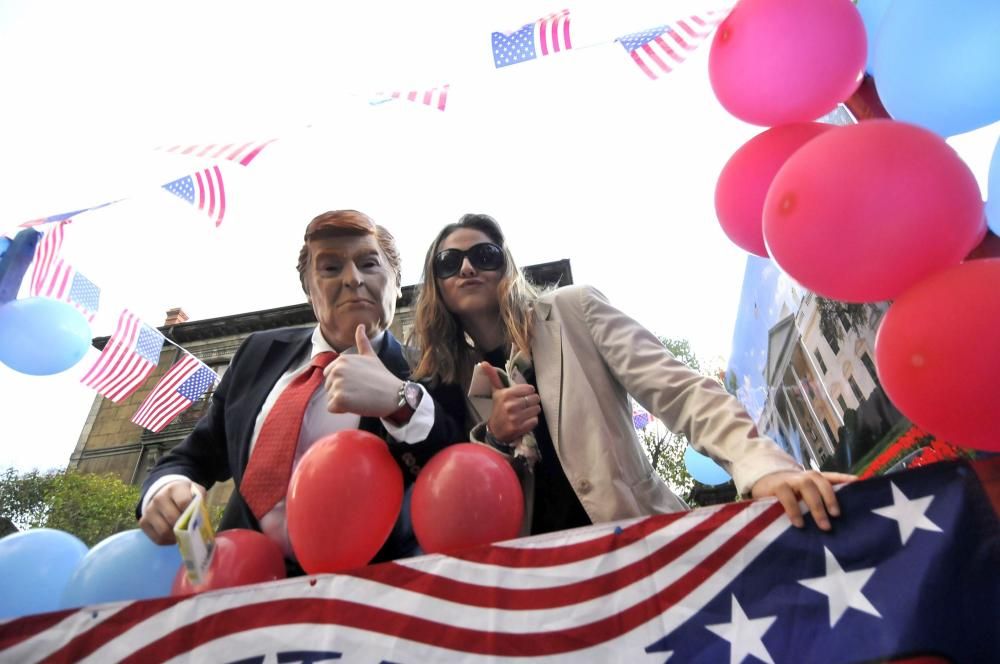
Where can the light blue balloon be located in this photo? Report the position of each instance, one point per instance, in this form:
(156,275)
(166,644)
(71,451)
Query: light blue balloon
(703,468)
(125,566)
(872,12)
(40,336)
(937,64)
(35,567)
(993,191)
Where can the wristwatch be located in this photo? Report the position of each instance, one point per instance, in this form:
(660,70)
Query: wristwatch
(408,398)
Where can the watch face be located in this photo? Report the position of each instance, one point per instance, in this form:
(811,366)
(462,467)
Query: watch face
(412,394)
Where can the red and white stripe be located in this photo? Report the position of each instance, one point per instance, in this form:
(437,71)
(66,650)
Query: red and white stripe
(552,34)
(58,283)
(120,369)
(241,153)
(592,594)
(672,48)
(164,403)
(46,251)
(436,97)
(211,193)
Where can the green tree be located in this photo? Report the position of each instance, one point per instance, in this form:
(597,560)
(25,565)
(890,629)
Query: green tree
(22,498)
(87,505)
(666,454)
(848,313)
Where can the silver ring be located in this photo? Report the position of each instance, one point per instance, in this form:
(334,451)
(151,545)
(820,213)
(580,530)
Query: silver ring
(527,404)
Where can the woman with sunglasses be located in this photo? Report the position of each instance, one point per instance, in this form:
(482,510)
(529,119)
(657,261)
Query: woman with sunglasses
(567,415)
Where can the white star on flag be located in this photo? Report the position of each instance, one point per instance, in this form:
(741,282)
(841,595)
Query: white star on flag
(843,589)
(744,635)
(908,514)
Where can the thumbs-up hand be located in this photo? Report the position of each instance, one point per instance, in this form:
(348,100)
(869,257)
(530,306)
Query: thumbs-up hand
(515,409)
(359,382)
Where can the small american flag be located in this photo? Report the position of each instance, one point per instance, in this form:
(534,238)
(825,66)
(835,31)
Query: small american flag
(240,153)
(545,36)
(658,50)
(177,390)
(204,190)
(64,283)
(640,416)
(433,97)
(130,355)
(46,252)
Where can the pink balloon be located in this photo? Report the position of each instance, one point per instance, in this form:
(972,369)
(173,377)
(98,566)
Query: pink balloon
(744,180)
(865,211)
(779,61)
(936,354)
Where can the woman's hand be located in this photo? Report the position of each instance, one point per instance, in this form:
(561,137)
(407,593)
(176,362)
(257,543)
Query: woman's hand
(515,409)
(813,487)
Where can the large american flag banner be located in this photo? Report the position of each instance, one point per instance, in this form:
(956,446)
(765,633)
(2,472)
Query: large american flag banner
(131,354)
(659,50)
(64,282)
(436,97)
(240,153)
(180,387)
(910,569)
(205,190)
(549,34)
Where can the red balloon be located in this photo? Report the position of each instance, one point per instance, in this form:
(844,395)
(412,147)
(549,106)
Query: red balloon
(937,358)
(773,61)
(863,212)
(343,500)
(466,495)
(241,557)
(743,183)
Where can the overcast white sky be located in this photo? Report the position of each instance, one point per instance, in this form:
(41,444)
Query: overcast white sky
(578,155)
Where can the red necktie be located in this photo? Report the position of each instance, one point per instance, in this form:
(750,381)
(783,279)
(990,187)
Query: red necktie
(265,481)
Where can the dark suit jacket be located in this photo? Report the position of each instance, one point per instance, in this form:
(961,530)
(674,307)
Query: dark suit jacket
(219,446)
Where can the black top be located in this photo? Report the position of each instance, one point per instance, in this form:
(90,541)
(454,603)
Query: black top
(556,504)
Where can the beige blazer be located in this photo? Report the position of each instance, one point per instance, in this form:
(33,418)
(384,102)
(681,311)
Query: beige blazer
(588,356)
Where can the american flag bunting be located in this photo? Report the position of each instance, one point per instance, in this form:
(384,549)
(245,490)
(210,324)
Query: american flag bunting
(65,216)
(204,190)
(46,252)
(659,50)
(240,153)
(436,97)
(180,387)
(547,35)
(65,283)
(131,354)
(908,570)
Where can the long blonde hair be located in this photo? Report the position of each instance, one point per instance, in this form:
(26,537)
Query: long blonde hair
(445,356)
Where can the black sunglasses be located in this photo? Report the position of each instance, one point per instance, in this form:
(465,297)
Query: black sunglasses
(483,256)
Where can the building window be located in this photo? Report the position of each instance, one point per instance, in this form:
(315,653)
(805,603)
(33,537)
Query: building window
(819,360)
(857,390)
(867,361)
(831,338)
(829,433)
(844,319)
(842,402)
